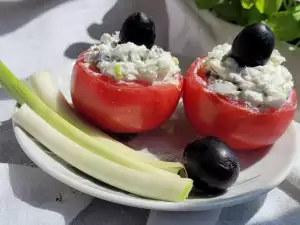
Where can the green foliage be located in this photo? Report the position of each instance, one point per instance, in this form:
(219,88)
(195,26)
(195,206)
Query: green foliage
(247,4)
(268,6)
(282,16)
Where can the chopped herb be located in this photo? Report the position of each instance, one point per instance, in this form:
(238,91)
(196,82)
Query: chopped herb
(175,60)
(117,69)
(226,56)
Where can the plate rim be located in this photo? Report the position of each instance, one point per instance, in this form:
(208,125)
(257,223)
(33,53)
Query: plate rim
(153,204)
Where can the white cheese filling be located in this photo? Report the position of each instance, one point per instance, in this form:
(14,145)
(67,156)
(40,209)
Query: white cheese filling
(266,86)
(131,62)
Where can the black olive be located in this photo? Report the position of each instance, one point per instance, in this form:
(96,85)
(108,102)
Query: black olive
(211,164)
(122,137)
(253,46)
(139,29)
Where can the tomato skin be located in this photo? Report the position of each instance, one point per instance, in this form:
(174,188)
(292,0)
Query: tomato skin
(122,107)
(239,126)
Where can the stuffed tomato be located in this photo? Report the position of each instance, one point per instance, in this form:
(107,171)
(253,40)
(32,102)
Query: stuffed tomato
(247,107)
(125,87)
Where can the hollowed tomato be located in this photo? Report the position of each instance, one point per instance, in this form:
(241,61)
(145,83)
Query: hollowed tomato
(237,124)
(120,106)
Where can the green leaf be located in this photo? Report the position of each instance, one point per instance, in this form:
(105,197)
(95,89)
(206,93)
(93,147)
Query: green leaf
(254,16)
(247,4)
(284,25)
(231,11)
(268,6)
(206,4)
(288,4)
(296,13)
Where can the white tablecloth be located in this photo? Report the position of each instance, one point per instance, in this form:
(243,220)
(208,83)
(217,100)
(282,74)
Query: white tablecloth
(39,34)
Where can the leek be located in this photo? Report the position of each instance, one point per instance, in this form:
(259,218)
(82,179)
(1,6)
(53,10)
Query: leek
(24,95)
(45,88)
(168,188)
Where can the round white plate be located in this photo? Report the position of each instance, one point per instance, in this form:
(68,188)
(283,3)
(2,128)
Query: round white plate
(260,170)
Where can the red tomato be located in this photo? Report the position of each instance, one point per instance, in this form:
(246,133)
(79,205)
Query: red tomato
(235,123)
(123,107)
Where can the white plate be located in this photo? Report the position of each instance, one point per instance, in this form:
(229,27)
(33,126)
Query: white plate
(261,170)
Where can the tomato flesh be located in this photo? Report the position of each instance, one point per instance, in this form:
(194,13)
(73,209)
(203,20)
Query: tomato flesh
(119,106)
(235,123)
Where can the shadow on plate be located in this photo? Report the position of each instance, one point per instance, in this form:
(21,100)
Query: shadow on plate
(196,194)
(169,141)
(249,158)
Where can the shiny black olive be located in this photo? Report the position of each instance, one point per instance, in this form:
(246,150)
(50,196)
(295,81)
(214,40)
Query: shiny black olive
(253,46)
(139,29)
(211,164)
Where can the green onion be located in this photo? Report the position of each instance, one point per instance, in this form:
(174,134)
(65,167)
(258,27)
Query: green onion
(36,115)
(117,70)
(45,88)
(23,95)
(168,188)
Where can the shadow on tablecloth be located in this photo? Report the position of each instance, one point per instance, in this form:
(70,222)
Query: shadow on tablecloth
(292,218)
(290,190)
(100,212)
(10,150)
(114,18)
(241,214)
(4,95)
(15,14)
